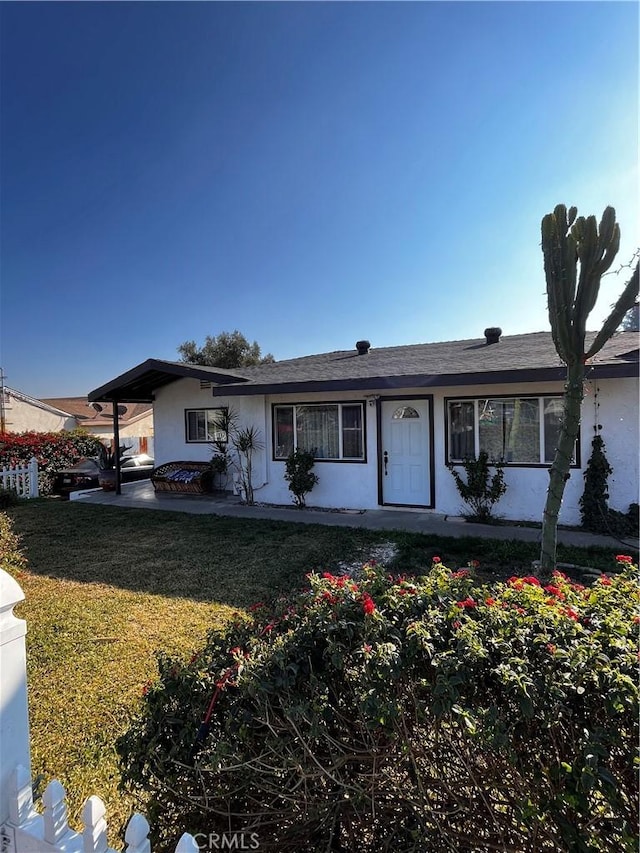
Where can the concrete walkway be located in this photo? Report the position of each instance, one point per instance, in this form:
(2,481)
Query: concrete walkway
(142,496)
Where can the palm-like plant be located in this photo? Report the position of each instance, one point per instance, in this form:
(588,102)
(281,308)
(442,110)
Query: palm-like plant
(107,456)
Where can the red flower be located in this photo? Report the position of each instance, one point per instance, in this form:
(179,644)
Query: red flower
(518,583)
(366,648)
(623,558)
(436,560)
(551,647)
(463,573)
(571,613)
(490,601)
(473,564)
(604,580)
(636,620)
(368,604)
(467,604)
(267,629)
(457,624)
(256,606)
(553,590)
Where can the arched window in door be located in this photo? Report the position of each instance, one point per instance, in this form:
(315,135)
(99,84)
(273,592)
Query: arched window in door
(405,412)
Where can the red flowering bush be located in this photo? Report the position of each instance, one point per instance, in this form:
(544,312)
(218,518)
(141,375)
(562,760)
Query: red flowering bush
(53,450)
(387,713)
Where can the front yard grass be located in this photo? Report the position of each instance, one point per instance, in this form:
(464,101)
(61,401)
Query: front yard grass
(106,588)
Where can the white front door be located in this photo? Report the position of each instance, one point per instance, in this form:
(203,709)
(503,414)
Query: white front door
(405,453)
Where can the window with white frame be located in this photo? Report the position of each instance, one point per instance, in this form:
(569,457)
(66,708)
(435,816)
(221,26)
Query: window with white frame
(331,431)
(513,430)
(205,425)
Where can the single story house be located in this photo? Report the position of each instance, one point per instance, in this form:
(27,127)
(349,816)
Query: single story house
(22,413)
(134,420)
(385,423)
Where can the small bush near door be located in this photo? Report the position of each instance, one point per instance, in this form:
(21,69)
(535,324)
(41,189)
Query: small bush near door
(482,489)
(299,475)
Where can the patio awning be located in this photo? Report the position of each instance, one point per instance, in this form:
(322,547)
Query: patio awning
(138,384)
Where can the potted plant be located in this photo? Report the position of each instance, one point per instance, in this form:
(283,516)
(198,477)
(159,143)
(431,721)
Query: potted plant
(219,470)
(106,460)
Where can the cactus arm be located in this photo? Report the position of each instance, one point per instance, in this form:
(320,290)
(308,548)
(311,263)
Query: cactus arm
(625,302)
(597,251)
(560,271)
(609,239)
(568,260)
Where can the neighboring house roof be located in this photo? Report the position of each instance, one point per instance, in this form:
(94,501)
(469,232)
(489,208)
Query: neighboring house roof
(45,405)
(514,358)
(85,414)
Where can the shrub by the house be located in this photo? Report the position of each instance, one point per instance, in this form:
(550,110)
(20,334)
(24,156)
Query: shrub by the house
(53,450)
(597,516)
(482,488)
(299,474)
(404,714)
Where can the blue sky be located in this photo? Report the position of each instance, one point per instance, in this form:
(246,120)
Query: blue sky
(309,173)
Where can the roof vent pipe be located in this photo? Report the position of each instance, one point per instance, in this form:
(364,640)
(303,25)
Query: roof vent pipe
(363,347)
(492,334)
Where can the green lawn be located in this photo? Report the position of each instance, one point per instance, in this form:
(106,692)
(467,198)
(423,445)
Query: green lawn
(106,588)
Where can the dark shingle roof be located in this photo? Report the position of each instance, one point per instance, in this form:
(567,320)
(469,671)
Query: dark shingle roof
(467,359)
(515,358)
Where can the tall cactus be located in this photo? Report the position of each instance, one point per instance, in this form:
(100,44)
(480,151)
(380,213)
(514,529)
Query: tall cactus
(570,241)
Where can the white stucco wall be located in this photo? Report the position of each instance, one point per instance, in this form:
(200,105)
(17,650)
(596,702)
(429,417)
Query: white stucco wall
(617,406)
(22,416)
(355,485)
(527,487)
(142,426)
(170,442)
(346,485)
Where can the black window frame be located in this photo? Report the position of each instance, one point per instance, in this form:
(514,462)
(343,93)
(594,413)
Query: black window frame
(349,460)
(515,396)
(187,412)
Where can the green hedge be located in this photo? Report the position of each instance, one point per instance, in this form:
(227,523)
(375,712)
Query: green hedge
(402,714)
(11,557)
(53,450)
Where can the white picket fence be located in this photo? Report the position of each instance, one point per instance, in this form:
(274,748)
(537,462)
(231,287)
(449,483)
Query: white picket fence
(23,829)
(23,480)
